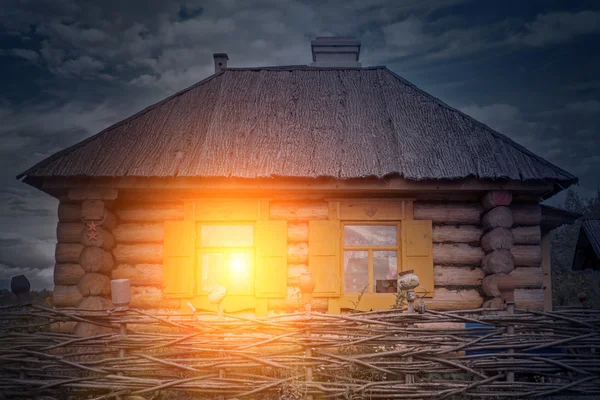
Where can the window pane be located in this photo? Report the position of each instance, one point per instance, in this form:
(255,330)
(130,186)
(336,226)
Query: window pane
(241,276)
(227,235)
(356,271)
(212,271)
(385,271)
(370,235)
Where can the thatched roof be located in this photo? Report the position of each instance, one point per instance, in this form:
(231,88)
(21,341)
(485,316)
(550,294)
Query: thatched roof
(301,122)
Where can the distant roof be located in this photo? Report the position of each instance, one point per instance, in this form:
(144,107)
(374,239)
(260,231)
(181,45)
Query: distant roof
(592,230)
(587,252)
(306,122)
(554,217)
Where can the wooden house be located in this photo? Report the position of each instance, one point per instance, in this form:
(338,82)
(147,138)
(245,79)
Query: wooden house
(254,176)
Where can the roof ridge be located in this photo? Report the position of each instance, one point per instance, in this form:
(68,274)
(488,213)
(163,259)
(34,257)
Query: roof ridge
(140,113)
(495,133)
(303,67)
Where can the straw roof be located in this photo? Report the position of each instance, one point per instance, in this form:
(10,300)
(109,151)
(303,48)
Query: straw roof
(301,122)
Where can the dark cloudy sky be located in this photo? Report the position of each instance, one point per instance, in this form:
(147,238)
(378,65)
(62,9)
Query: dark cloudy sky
(69,68)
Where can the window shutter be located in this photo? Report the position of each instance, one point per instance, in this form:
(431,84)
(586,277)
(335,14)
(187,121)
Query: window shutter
(271,259)
(178,258)
(323,257)
(417,252)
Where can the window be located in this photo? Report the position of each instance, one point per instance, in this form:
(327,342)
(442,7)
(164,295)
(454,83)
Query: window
(226,258)
(371,255)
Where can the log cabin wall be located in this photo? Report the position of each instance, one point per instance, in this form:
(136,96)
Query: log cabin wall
(511,240)
(463,247)
(83,259)
(458,251)
(527,251)
(138,253)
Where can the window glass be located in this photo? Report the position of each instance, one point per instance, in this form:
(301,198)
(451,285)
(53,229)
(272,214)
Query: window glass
(385,271)
(356,271)
(212,271)
(241,274)
(226,235)
(370,235)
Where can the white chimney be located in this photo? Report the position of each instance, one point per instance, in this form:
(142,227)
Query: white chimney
(220,61)
(335,52)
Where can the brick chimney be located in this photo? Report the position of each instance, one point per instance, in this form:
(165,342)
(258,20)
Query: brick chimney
(335,52)
(220,61)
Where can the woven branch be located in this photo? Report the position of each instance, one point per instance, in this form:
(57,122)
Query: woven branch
(366,354)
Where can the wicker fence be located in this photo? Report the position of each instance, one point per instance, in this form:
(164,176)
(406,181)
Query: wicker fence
(383,354)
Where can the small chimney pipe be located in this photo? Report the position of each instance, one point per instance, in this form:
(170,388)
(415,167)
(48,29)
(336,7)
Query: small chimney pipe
(335,51)
(220,61)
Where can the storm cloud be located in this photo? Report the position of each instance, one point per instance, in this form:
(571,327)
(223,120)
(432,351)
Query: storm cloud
(73,67)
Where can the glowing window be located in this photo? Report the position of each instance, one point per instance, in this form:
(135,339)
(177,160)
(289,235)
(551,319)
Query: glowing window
(226,258)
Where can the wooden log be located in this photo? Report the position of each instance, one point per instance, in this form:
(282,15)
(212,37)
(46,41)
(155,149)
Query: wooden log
(297,253)
(527,256)
(148,253)
(110,221)
(67,274)
(498,262)
(526,214)
(496,198)
(95,210)
(496,302)
(79,194)
(69,232)
(69,212)
(66,296)
(456,234)
(99,238)
(94,284)
(457,276)
(67,252)
(497,217)
(139,233)
(527,234)
(444,299)
(449,213)
(496,239)
(62,327)
(489,285)
(293,301)
(294,272)
(140,274)
(151,212)
(547,271)
(531,299)
(94,303)
(299,211)
(95,259)
(457,254)
(92,210)
(528,277)
(149,297)
(297,232)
